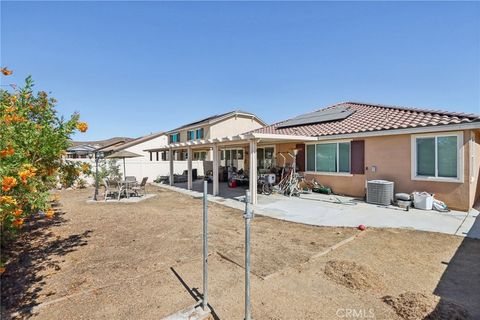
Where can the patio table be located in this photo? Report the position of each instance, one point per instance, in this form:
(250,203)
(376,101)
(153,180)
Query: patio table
(126,186)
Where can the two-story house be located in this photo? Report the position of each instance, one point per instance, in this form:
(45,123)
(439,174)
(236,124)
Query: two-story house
(227,124)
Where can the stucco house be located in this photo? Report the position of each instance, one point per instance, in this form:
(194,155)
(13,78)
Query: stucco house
(347,144)
(86,149)
(138,146)
(216,126)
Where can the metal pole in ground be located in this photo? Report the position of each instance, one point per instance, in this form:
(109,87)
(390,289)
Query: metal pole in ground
(205,246)
(248,216)
(95,196)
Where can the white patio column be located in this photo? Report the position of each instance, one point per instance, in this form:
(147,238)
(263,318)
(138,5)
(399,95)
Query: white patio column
(170,153)
(215,170)
(253,171)
(189,168)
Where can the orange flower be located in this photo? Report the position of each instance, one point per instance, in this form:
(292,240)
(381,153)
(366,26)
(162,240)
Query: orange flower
(8,200)
(85,168)
(82,126)
(24,175)
(8,183)
(10,109)
(14,118)
(6,72)
(17,222)
(18,212)
(2,270)
(29,172)
(7,152)
(49,214)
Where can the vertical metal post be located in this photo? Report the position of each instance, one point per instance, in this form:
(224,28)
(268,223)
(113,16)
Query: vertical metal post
(205,246)
(248,216)
(95,196)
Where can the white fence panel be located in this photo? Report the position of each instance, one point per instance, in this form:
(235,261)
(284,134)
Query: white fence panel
(150,169)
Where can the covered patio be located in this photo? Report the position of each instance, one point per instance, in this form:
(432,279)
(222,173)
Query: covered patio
(251,147)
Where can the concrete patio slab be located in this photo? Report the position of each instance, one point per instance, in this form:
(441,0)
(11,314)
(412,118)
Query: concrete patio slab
(125,200)
(339,211)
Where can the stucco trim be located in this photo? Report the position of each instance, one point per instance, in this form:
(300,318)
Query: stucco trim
(339,174)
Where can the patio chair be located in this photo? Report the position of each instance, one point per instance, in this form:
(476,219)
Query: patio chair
(141,187)
(112,187)
(130,178)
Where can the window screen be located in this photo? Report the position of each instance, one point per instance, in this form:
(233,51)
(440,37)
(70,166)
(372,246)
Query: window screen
(426,156)
(344,157)
(311,157)
(326,157)
(447,156)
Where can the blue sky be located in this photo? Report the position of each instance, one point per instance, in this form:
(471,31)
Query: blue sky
(131,68)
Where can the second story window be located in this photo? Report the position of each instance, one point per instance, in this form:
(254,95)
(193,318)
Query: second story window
(190,135)
(175,137)
(200,134)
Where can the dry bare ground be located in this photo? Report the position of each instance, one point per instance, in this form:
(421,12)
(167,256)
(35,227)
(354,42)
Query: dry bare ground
(143,261)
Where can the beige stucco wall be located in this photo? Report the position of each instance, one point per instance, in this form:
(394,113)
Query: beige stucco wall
(391,155)
(475,188)
(284,148)
(183,132)
(233,126)
(228,127)
(157,142)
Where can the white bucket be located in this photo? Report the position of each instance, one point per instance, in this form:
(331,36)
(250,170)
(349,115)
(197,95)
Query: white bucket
(422,200)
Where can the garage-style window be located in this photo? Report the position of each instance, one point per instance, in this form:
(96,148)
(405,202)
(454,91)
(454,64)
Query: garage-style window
(437,156)
(329,157)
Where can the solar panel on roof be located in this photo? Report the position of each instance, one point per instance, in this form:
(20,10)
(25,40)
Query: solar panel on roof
(337,113)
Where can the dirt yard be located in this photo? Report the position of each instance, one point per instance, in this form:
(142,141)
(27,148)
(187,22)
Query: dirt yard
(143,261)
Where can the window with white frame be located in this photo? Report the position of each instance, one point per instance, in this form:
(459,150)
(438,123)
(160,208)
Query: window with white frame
(200,155)
(437,156)
(329,157)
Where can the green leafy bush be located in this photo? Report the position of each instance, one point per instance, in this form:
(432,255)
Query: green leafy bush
(33,139)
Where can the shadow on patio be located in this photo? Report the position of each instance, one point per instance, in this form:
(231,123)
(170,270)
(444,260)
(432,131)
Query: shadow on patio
(224,190)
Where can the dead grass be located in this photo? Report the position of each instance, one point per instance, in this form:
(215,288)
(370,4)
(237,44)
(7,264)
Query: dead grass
(353,275)
(143,261)
(414,305)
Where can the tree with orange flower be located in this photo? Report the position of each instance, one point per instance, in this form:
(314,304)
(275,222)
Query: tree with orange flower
(33,138)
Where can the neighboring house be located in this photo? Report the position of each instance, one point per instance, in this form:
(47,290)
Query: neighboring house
(226,124)
(138,146)
(347,144)
(148,164)
(86,149)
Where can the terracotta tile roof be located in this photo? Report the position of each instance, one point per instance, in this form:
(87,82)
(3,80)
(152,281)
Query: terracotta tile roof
(373,117)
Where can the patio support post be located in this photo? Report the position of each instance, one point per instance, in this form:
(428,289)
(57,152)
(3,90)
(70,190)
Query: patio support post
(189,169)
(215,170)
(248,216)
(170,153)
(253,171)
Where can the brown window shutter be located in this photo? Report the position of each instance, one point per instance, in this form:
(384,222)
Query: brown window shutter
(300,157)
(357,157)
